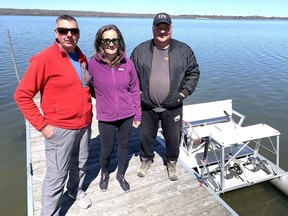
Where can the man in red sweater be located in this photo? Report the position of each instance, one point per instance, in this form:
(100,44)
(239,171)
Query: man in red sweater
(59,74)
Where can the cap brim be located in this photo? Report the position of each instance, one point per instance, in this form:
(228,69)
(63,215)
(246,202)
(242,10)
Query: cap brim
(162,21)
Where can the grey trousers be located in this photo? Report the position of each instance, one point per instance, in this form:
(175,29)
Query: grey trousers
(66,154)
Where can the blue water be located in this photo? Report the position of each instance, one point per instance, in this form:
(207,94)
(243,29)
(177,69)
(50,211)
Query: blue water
(245,60)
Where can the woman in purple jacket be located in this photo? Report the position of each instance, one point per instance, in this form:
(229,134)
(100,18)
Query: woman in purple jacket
(117,99)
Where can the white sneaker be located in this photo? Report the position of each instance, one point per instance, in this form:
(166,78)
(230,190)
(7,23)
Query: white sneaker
(82,200)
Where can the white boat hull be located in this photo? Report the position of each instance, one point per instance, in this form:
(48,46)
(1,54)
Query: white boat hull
(281,183)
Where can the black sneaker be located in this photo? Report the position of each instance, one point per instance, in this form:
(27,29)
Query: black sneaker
(123,183)
(104,181)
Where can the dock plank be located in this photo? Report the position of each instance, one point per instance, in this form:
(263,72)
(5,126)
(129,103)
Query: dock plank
(153,195)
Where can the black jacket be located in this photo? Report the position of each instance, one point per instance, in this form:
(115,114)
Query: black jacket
(183,69)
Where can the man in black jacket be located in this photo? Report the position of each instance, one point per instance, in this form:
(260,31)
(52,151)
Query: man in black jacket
(168,72)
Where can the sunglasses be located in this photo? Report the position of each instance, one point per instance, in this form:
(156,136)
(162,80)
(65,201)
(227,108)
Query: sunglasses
(107,41)
(74,31)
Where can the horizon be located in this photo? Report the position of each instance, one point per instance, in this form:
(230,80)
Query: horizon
(50,12)
(263,8)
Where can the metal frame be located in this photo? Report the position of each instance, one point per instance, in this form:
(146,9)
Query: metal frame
(219,140)
(29,170)
(216,121)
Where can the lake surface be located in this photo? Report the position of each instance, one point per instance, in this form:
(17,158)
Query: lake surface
(245,60)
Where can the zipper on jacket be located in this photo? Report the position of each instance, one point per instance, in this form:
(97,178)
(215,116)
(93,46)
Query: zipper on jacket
(115,92)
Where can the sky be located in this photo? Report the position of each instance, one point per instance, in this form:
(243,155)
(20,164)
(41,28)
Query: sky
(267,8)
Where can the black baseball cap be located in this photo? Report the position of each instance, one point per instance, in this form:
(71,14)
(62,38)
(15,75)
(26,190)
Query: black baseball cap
(162,18)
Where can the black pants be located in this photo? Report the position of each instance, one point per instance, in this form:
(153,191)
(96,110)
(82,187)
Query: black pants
(107,131)
(171,122)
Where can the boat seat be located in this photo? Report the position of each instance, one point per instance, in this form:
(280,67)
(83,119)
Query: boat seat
(202,120)
(210,113)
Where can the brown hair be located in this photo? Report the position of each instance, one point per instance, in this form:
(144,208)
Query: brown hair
(98,48)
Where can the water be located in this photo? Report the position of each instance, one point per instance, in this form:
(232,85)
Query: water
(243,60)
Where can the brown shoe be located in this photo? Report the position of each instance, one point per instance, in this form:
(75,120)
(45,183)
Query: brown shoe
(172,171)
(145,165)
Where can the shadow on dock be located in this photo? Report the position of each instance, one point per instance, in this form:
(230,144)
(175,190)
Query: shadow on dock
(153,195)
(93,163)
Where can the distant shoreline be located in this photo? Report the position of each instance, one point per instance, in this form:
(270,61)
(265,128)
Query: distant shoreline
(38,12)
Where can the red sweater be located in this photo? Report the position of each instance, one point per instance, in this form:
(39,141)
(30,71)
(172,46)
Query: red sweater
(64,102)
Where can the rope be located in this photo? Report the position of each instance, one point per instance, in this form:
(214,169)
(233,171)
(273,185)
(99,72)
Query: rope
(199,139)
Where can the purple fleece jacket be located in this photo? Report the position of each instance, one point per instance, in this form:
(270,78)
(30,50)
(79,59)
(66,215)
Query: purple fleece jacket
(116,90)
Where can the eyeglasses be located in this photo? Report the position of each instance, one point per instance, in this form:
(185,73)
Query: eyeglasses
(74,31)
(107,41)
(159,28)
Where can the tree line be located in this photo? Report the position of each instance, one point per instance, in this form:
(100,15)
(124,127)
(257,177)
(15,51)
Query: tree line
(38,12)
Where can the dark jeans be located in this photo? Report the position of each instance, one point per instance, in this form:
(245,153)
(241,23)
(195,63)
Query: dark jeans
(107,131)
(171,122)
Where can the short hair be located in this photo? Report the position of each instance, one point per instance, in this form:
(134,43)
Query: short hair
(65,17)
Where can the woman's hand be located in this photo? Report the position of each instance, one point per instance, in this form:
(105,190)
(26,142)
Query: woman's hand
(136,124)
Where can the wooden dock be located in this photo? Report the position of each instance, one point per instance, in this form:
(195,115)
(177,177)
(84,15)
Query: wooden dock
(153,195)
